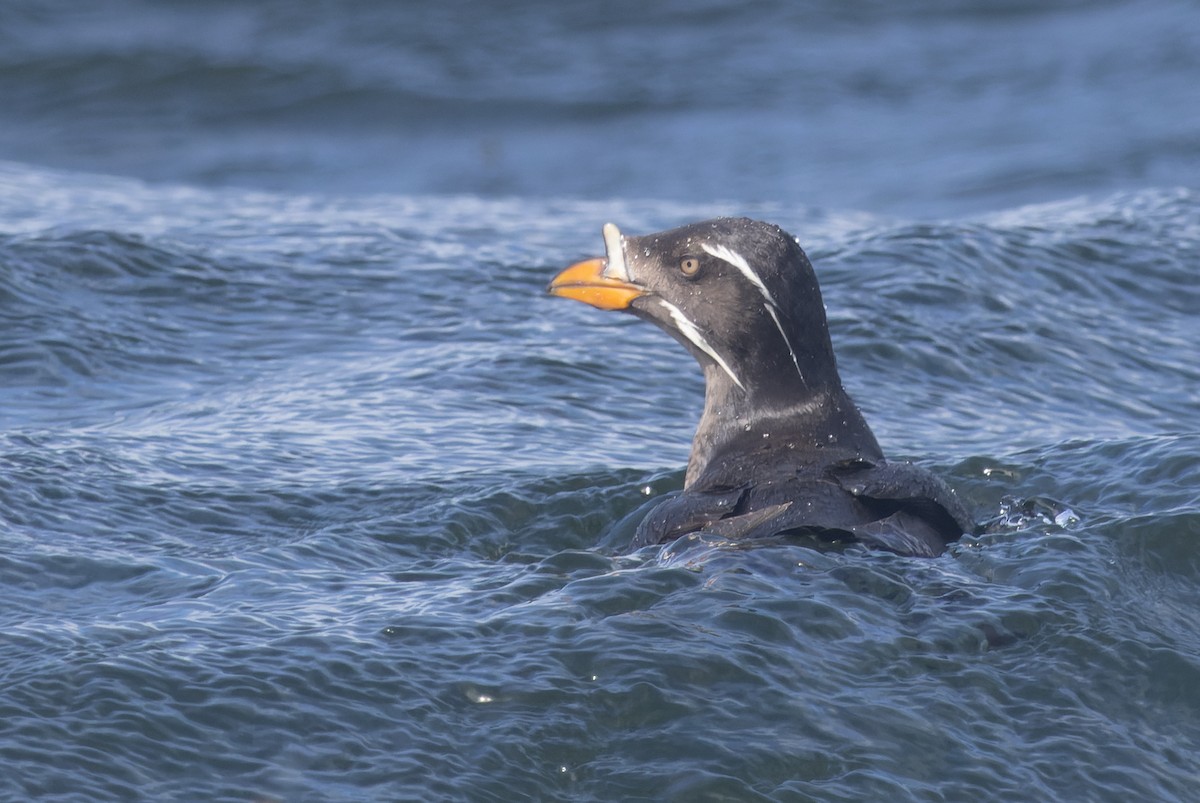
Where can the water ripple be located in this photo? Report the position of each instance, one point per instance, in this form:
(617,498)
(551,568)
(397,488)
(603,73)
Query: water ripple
(311,499)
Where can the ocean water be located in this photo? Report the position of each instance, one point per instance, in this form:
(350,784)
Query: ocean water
(309,492)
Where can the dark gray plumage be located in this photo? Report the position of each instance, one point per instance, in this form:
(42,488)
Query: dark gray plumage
(781,448)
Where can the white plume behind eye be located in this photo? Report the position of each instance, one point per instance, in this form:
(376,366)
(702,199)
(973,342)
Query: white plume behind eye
(614,246)
(724,254)
(690,331)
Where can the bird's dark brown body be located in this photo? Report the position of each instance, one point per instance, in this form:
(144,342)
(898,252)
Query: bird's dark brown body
(780,449)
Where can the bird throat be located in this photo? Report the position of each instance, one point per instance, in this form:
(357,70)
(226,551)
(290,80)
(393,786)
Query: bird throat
(736,431)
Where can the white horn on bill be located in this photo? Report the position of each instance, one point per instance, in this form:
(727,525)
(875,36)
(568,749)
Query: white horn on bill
(614,245)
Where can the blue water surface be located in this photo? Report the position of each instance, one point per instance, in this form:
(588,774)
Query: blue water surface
(308,491)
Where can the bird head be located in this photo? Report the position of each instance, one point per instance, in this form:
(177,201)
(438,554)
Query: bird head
(739,294)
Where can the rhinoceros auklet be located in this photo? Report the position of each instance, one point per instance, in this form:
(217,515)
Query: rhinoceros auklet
(780,449)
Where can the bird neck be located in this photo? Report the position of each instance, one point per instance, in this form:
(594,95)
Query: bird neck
(744,428)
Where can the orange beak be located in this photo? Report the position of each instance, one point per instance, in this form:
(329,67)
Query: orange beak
(585,281)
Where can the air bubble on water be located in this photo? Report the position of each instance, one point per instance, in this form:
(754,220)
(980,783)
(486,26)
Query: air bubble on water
(1066,518)
(1017,514)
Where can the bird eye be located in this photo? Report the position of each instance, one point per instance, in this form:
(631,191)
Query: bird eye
(689,266)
